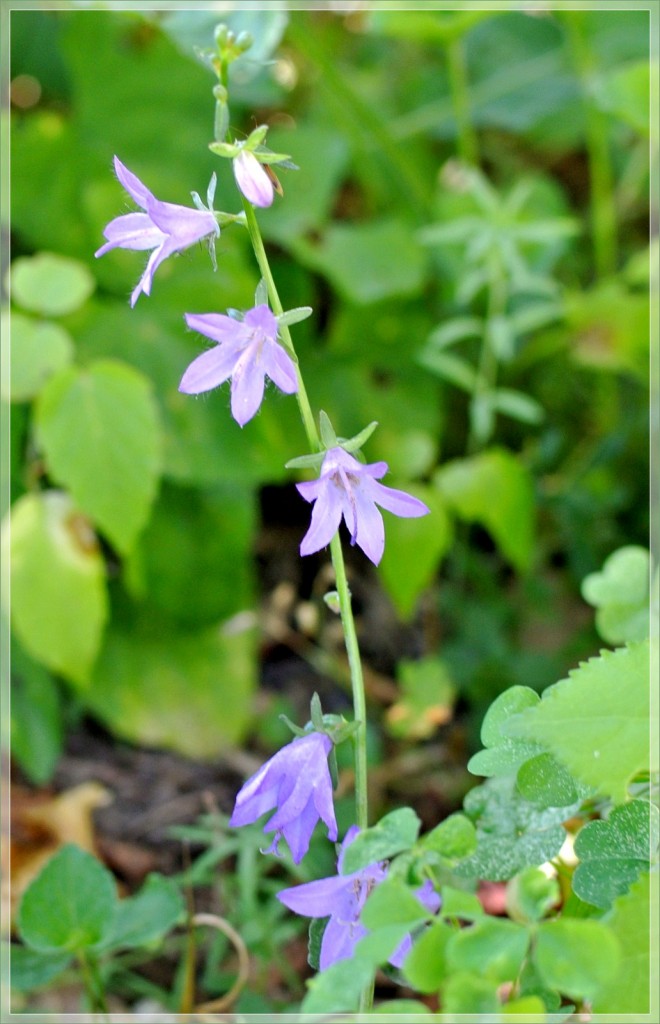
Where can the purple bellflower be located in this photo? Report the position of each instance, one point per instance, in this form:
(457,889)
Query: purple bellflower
(164,227)
(342,899)
(296,781)
(252,179)
(247,351)
(350,489)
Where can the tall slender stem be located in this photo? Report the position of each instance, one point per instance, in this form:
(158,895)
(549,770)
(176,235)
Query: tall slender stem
(343,591)
(92,982)
(468,148)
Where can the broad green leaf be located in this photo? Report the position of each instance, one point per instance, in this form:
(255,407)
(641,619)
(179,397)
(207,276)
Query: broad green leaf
(492,947)
(57,578)
(496,490)
(396,832)
(613,852)
(626,91)
(498,858)
(579,958)
(50,284)
(544,780)
(459,904)
(100,433)
(70,905)
(454,838)
(30,969)
(37,728)
(628,991)
(357,260)
(37,350)
(620,593)
(531,894)
(502,754)
(467,993)
(530,1008)
(425,966)
(146,917)
(189,691)
(394,1009)
(414,549)
(392,902)
(597,721)
(194,557)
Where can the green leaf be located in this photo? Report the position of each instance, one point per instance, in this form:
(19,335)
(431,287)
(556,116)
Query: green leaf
(470,994)
(294,316)
(100,433)
(37,351)
(454,330)
(503,754)
(70,905)
(57,578)
(457,904)
(394,1009)
(579,958)
(450,367)
(392,902)
(425,966)
(628,991)
(492,947)
(613,853)
(414,549)
(531,894)
(625,92)
(544,780)
(518,405)
(496,490)
(189,691)
(357,260)
(620,593)
(396,832)
(30,969)
(453,838)
(597,721)
(37,731)
(146,917)
(317,928)
(50,284)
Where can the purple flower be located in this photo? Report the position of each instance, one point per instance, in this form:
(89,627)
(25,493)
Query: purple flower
(252,179)
(165,227)
(350,489)
(296,781)
(342,899)
(247,351)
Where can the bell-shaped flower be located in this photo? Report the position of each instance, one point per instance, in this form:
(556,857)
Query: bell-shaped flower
(253,179)
(350,489)
(164,227)
(341,898)
(247,350)
(297,782)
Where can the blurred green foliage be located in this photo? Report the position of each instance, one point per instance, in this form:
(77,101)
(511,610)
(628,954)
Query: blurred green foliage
(494,321)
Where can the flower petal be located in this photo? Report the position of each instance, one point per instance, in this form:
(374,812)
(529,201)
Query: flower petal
(322,796)
(261,318)
(398,502)
(208,370)
(298,831)
(252,180)
(136,190)
(339,941)
(326,517)
(131,231)
(315,899)
(370,530)
(280,367)
(185,225)
(247,386)
(218,327)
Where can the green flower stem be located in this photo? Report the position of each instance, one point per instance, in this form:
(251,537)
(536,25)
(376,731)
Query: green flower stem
(345,606)
(92,982)
(468,148)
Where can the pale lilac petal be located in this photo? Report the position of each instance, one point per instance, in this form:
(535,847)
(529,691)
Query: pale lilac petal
(370,529)
(208,370)
(185,225)
(398,502)
(314,899)
(136,190)
(298,831)
(252,180)
(427,896)
(310,489)
(401,951)
(261,318)
(322,796)
(145,282)
(375,469)
(339,941)
(326,517)
(131,231)
(247,387)
(280,367)
(217,327)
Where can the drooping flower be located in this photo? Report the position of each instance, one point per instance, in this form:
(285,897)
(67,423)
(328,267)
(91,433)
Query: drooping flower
(247,351)
(341,898)
(350,489)
(164,227)
(252,179)
(297,781)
